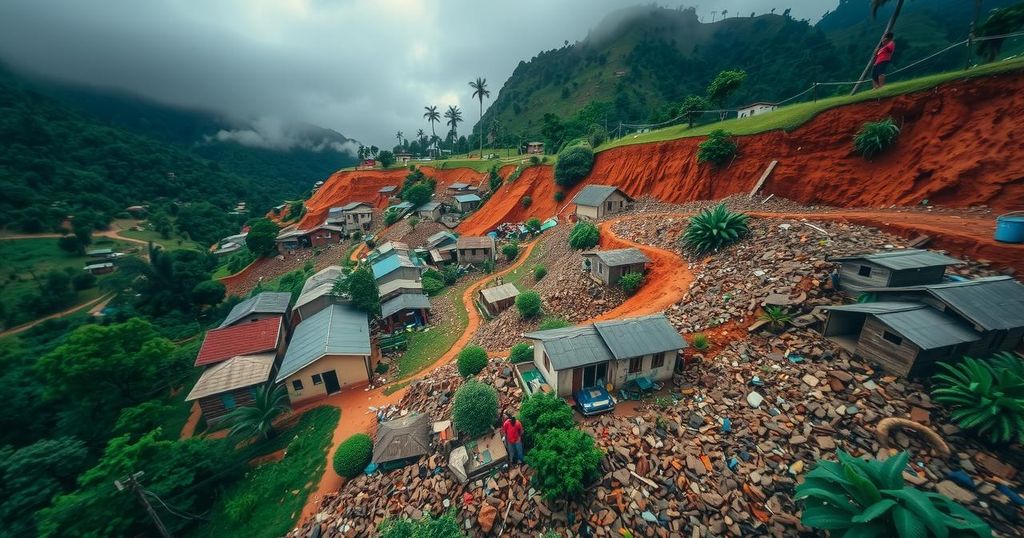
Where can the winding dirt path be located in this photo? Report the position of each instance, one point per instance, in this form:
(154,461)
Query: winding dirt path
(94,306)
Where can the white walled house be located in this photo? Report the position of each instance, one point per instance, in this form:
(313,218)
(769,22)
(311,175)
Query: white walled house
(756,109)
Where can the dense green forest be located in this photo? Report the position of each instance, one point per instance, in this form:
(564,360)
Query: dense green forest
(56,163)
(641,62)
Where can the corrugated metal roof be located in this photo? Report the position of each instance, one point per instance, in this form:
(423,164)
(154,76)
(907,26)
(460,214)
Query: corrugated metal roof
(404,301)
(463,198)
(475,242)
(992,303)
(635,337)
(385,265)
(268,302)
(498,293)
(335,330)
(352,205)
(929,328)
(458,186)
(389,188)
(910,258)
(440,237)
(595,195)
(234,373)
(621,256)
(881,307)
(399,284)
(429,206)
(573,346)
(406,437)
(246,339)
(320,284)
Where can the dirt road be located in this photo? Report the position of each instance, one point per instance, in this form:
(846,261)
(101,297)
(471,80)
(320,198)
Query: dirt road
(96,305)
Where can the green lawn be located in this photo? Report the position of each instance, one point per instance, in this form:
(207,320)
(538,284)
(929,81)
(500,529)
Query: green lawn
(24,257)
(174,243)
(424,348)
(268,500)
(792,116)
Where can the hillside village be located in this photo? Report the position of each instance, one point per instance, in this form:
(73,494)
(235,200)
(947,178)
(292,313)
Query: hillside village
(796,317)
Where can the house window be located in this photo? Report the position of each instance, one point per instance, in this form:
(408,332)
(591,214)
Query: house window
(635,364)
(228,399)
(595,374)
(547,362)
(297,385)
(865,270)
(317,380)
(658,360)
(892,338)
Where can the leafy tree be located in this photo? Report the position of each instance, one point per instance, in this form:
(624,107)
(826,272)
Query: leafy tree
(573,165)
(521,352)
(528,303)
(475,408)
(471,360)
(718,148)
(725,84)
(386,158)
(494,178)
(205,222)
(69,243)
(432,286)
(690,107)
(413,221)
(142,418)
(1000,21)
(161,223)
(533,225)
(584,235)
(262,238)
(31,476)
(510,250)
(364,292)
(208,292)
(565,462)
(182,470)
(83,281)
(631,282)
(120,363)
(257,419)
(526,201)
(539,272)
(597,135)
(418,194)
(353,455)
(544,412)
(165,283)
(480,91)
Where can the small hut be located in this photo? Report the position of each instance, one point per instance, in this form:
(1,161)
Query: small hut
(402,441)
(495,300)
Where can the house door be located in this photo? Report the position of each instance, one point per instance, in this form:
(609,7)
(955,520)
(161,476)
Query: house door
(595,374)
(577,379)
(331,382)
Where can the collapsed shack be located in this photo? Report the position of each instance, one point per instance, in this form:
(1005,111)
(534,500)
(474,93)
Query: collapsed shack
(477,457)
(401,441)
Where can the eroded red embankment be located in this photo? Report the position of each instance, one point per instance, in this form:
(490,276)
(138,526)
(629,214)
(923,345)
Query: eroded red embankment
(958,148)
(362,185)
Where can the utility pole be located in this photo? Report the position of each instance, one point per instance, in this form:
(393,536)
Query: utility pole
(131,483)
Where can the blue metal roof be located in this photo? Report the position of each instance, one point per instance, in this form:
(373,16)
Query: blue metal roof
(335,330)
(387,264)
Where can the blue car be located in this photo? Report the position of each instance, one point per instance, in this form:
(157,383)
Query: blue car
(594,401)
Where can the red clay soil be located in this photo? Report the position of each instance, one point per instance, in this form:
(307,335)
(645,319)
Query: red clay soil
(506,205)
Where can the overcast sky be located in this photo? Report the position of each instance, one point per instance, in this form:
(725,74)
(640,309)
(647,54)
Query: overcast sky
(365,68)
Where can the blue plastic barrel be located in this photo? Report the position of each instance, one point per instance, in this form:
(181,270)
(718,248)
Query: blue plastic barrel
(1010,227)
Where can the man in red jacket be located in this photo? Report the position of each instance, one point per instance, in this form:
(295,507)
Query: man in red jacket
(882,58)
(513,431)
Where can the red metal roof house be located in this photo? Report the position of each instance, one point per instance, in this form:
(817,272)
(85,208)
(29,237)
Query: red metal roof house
(257,337)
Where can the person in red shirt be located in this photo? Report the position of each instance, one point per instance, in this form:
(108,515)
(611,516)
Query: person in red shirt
(882,58)
(512,429)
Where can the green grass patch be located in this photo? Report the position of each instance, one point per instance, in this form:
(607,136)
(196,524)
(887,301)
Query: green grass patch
(522,276)
(172,243)
(426,347)
(268,500)
(792,116)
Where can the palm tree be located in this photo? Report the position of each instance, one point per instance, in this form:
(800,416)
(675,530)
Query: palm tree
(420,135)
(480,91)
(432,116)
(713,13)
(258,419)
(399,135)
(454,116)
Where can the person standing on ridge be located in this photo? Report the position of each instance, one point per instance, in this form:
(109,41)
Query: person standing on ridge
(513,430)
(882,58)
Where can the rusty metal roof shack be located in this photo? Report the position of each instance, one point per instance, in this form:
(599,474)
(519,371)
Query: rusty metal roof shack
(402,439)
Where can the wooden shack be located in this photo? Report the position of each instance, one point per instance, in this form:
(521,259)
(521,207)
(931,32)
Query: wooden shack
(608,266)
(497,299)
(892,269)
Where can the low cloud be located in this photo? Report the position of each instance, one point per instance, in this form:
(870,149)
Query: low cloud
(273,133)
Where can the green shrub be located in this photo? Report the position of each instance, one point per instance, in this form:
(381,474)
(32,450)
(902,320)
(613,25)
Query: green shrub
(539,272)
(777,317)
(391,217)
(432,286)
(528,304)
(353,455)
(510,251)
(433,273)
(573,165)
(493,178)
(83,281)
(565,463)
(631,282)
(533,225)
(450,274)
(584,235)
(874,137)
(471,360)
(238,507)
(521,352)
(475,408)
(542,413)
(718,148)
(986,396)
(443,526)
(553,323)
(516,173)
(381,368)
(714,229)
(487,266)
(534,159)
(700,342)
(857,497)
(596,135)
(526,201)
(559,196)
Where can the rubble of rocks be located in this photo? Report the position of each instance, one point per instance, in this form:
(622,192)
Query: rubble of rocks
(414,237)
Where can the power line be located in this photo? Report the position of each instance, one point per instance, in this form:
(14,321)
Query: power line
(131,483)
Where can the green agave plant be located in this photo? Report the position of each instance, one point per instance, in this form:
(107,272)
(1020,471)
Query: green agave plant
(855,497)
(713,229)
(986,396)
(777,317)
(875,137)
